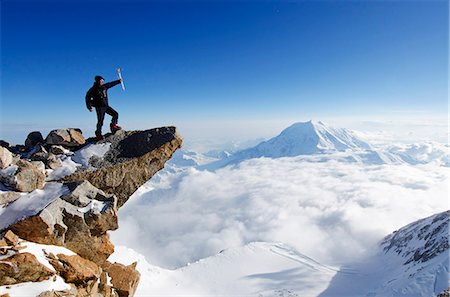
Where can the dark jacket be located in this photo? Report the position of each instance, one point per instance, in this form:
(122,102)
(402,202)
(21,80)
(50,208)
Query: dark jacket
(97,96)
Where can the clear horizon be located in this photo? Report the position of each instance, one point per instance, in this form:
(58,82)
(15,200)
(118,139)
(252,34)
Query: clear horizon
(228,70)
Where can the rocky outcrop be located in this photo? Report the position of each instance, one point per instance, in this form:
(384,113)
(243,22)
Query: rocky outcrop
(85,207)
(65,137)
(134,157)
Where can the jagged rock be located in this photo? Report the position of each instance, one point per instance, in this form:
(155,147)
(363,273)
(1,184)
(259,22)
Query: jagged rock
(28,177)
(74,269)
(6,157)
(132,159)
(65,137)
(33,139)
(82,230)
(22,267)
(124,279)
(8,197)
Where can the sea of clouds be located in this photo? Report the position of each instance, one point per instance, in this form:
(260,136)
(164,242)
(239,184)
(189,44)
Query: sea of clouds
(332,211)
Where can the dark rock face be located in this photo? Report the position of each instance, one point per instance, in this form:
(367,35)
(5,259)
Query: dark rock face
(33,139)
(431,234)
(133,158)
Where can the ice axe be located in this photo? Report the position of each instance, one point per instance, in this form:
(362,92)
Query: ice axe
(120,76)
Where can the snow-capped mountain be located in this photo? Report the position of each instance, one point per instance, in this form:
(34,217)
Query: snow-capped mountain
(305,139)
(319,142)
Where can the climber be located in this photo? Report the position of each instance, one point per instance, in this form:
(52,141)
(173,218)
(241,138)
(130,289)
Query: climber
(97,97)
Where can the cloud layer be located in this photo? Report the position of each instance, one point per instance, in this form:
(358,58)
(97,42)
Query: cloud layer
(331,211)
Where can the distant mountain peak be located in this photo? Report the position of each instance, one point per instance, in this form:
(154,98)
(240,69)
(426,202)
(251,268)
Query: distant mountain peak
(305,138)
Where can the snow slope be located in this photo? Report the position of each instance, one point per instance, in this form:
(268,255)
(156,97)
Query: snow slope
(257,269)
(413,262)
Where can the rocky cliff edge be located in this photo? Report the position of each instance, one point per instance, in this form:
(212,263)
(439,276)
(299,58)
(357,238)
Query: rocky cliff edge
(66,191)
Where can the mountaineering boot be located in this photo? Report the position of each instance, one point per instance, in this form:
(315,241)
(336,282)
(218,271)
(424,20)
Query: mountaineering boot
(99,136)
(114,128)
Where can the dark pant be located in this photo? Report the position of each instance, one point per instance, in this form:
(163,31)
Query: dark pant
(101,116)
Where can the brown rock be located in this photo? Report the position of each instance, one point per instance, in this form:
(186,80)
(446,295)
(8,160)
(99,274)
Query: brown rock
(76,137)
(6,157)
(134,157)
(4,295)
(124,279)
(22,267)
(28,177)
(75,269)
(65,137)
(11,238)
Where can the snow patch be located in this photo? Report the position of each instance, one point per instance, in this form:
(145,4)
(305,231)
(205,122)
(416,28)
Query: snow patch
(31,204)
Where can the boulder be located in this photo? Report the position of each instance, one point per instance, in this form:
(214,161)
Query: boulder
(6,157)
(133,158)
(82,230)
(124,279)
(65,137)
(33,139)
(22,267)
(28,177)
(74,269)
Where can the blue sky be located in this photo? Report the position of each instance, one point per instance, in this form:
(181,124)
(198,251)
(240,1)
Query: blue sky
(203,65)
